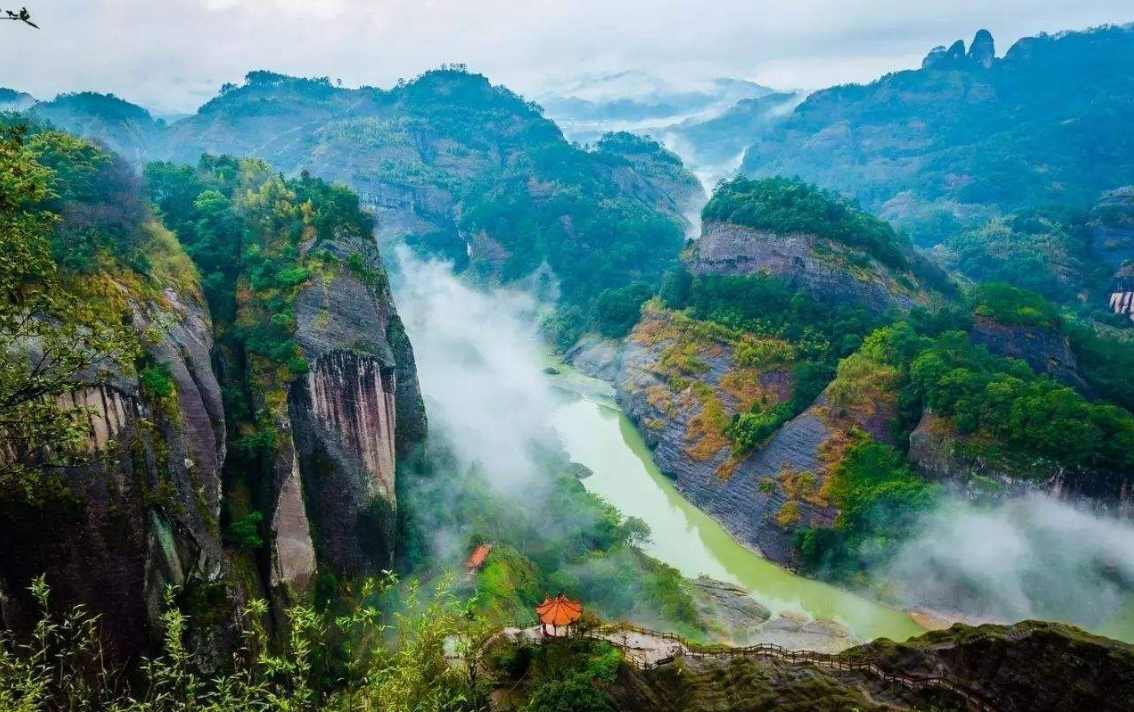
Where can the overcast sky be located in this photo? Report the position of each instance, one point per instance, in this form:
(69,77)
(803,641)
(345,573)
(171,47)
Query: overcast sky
(172,55)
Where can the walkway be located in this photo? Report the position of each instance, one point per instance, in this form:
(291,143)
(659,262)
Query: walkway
(647,649)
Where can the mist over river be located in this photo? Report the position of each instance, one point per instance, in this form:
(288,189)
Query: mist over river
(481,365)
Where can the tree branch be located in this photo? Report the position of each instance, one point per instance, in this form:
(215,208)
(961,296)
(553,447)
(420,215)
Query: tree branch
(22,16)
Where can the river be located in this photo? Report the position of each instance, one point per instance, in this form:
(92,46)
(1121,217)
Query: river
(596,433)
(479,359)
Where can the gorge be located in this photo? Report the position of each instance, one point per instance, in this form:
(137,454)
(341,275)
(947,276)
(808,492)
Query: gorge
(308,398)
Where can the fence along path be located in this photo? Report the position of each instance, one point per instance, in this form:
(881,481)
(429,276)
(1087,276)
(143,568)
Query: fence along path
(648,649)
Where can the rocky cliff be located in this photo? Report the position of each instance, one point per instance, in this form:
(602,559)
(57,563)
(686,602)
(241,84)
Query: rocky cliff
(958,140)
(683,387)
(142,514)
(1044,348)
(467,170)
(239,452)
(804,261)
(355,409)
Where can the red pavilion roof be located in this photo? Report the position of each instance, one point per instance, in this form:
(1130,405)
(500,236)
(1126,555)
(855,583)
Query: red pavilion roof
(559,610)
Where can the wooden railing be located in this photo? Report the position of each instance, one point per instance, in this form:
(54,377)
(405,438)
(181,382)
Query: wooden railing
(836,661)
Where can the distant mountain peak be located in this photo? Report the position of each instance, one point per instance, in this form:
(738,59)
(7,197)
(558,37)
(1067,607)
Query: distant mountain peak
(15,100)
(981,53)
(983,49)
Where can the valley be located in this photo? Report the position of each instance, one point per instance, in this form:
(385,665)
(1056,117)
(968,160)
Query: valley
(655,393)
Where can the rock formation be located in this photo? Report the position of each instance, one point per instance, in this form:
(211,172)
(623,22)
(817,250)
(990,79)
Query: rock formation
(803,261)
(143,513)
(982,51)
(1045,349)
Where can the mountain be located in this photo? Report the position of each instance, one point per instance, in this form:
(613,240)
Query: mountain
(810,381)
(12,100)
(240,431)
(714,146)
(125,128)
(969,135)
(457,166)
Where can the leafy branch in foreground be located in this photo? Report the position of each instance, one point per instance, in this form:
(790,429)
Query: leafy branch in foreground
(53,341)
(400,666)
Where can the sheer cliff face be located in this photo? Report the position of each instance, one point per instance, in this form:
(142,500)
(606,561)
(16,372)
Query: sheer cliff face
(824,267)
(763,496)
(143,513)
(358,406)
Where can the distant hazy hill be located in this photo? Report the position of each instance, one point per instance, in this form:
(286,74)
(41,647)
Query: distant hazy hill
(970,135)
(713,146)
(126,128)
(640,102)
(12,100)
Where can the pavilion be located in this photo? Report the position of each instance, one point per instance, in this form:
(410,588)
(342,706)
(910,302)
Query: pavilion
(558,612)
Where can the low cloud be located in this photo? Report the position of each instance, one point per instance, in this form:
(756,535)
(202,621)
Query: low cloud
(479,361)
(1030,557)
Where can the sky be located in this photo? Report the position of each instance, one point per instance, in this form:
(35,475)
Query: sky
(172,55)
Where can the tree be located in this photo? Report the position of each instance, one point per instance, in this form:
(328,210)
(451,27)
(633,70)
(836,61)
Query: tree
(51,341)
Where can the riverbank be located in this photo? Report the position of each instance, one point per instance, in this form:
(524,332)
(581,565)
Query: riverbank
(598,435)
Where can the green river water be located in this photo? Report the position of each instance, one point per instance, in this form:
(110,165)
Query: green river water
(596,433)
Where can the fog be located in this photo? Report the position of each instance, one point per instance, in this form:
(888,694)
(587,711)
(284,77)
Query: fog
(1029,557)
(479,361)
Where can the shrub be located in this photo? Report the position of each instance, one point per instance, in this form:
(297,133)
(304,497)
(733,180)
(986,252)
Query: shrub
(245,531)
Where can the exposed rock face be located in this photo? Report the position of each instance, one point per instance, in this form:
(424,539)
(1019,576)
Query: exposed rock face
(956,50)
(799,632)
(143,513)
(939,452)
(804,261)
(1032,666)
(941,58)
(334,498)
(343,427)
(935,59)
(729,605)
(293,554)
(596,357)
(760,497)
(1045,349)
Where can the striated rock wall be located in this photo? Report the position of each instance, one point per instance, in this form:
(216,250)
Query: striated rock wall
(828,269)
(343,421)
(141,513)
(333,496)
(760,497)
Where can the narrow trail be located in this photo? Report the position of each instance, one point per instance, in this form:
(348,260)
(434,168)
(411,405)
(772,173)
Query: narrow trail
(647,649)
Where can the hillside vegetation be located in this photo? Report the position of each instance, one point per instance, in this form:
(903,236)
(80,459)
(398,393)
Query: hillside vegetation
(960,140)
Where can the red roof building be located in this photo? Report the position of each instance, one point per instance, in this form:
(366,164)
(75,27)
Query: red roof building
(477,557)
(558,611)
